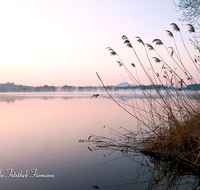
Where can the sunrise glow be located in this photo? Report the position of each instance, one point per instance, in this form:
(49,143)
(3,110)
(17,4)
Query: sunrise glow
(64,42)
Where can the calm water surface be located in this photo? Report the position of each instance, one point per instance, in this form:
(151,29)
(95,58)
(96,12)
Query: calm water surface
(40,132)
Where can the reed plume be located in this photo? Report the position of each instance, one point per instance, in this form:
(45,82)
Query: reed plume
(168,123)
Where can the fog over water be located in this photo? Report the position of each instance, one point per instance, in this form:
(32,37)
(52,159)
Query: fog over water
(123,95)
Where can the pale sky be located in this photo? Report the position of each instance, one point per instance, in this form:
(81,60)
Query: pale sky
(63,42)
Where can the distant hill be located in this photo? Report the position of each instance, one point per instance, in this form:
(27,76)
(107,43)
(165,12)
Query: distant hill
(125,84)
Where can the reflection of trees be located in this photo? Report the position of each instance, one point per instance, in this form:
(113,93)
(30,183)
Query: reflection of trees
(123,96)
(9,98)
(154,172)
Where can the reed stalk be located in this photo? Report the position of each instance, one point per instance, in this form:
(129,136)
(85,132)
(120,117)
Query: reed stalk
(169,123)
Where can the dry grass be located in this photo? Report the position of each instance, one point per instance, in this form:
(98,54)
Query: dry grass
(168,124)
(180,141)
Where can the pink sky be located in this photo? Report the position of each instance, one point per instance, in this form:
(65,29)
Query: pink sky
(62,42)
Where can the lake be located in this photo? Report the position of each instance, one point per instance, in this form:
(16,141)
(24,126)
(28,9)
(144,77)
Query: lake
(40,146)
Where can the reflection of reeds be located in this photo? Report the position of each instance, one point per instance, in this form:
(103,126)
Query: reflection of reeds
(153,172)
(169,127)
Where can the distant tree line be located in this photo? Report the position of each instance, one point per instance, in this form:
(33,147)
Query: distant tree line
(12,87)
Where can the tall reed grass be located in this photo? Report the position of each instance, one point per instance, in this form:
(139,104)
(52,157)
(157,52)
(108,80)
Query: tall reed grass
(169,123)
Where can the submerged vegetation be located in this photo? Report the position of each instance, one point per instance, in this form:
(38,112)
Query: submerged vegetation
(168,123)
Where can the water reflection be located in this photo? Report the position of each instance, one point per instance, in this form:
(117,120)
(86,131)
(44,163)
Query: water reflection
(43,135)
(154,172)
(151,172)
(121,95)
(12,97)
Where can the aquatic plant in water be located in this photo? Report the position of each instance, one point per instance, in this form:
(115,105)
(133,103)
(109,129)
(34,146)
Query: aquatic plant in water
(168,124)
